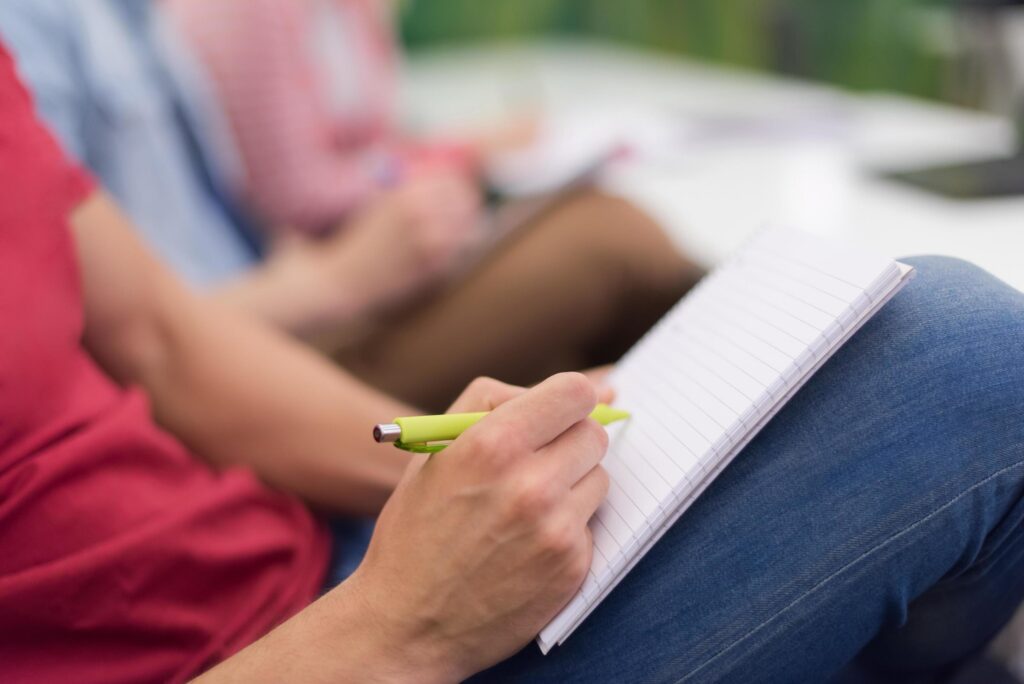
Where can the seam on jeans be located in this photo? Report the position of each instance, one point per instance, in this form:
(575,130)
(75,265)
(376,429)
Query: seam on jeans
(848,566)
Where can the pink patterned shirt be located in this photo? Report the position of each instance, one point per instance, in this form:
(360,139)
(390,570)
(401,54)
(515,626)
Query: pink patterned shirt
(316,143)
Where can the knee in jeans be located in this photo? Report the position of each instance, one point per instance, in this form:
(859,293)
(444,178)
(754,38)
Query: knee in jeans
(972,326)
(962,302)
(951,271)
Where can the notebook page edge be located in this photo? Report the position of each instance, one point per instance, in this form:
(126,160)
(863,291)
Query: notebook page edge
(906,273)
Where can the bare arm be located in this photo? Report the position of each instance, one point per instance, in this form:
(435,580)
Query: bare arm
(403,241)
(232,389)
(477,550)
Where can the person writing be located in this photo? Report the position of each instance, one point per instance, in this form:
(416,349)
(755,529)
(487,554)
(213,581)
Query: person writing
(162,456)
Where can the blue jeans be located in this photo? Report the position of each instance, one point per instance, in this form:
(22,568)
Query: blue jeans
(874,525)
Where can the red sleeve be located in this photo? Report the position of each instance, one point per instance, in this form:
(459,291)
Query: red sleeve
(35,171)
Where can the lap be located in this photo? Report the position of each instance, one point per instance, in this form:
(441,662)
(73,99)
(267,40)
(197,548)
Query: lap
(574,289)
(884,477)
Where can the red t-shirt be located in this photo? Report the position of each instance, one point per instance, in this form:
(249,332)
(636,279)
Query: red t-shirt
(122,557)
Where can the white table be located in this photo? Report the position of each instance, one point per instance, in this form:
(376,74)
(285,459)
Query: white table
(816,175)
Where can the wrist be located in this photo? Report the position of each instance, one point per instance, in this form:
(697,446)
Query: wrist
(307,295)
(340,278)
(393,648)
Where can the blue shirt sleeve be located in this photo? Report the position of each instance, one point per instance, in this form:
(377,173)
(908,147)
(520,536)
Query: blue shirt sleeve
(35,32)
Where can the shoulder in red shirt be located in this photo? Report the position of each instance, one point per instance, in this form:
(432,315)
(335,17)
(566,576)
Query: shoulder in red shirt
(122,556)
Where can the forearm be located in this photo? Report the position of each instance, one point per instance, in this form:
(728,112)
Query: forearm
(329,288)
(476,551)
(238,393)
(339,638)
(294,290)
(234,390)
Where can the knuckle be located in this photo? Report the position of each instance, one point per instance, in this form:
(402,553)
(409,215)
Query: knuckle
(579,565)
(577,388)
(500,442)
(485,391)
(487,441)
(603,480)
(531,499)
(513,438)
(482,386)
(598,434)
(559,539)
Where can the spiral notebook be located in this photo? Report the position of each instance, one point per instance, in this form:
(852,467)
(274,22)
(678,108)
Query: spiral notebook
(709,376)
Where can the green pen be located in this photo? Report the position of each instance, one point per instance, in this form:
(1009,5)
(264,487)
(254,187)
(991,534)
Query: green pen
(422,433)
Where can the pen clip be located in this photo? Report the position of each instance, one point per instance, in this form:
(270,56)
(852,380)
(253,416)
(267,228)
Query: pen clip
(420,448)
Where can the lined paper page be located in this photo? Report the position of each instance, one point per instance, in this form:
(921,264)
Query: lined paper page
(708,376)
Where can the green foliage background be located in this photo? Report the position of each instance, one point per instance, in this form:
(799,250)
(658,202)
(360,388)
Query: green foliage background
(861,44)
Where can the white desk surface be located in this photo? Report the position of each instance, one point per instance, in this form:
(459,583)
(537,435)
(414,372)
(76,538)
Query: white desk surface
(817,175)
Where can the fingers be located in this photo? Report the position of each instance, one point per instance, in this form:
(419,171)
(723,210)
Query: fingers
(589,493)
(599,376)
(543,413)
(461,209)
(446,195)
(575,452)
(485,394)
(462,194)
(442,215)
(416,463)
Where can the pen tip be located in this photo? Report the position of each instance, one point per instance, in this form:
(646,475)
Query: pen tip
(606,415)
(618,414)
